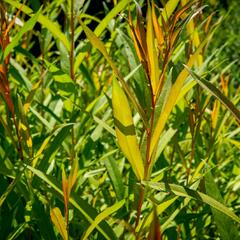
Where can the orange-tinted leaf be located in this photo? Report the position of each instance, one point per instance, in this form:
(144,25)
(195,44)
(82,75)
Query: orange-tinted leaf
(125,130)
(59,222)
(157,28)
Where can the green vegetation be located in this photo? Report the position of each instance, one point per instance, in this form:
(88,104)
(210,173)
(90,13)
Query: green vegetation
(119,120)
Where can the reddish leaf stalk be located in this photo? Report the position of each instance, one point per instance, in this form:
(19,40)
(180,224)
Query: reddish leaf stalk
(4,83)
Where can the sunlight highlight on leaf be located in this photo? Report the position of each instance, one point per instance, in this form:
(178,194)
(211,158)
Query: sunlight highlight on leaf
(59,222)
(125,130)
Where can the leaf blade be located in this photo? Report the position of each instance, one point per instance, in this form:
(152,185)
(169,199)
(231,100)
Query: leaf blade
(125,130)
(216,93)
(192,194)
(58,221)
(108,211)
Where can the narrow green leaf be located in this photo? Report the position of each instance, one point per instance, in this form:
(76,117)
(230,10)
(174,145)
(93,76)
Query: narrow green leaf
(19,229)
(26,27)
(101,27)
(42,119)
(115,176)
(55,144)
(216,93)
(103,215)
(125,130)
(104,125)
(190,193)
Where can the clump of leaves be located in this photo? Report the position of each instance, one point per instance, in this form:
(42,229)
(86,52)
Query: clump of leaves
(126,134)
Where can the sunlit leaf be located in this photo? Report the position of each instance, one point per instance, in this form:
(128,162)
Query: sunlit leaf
(152,53)
(59,222)
(108,211)
(125,130)
(169,8)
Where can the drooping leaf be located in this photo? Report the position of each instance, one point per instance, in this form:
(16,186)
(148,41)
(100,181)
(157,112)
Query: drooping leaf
(108,211)
(216,93)
(193,194)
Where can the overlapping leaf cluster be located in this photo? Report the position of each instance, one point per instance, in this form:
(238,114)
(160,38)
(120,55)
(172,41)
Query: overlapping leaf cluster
(116,125)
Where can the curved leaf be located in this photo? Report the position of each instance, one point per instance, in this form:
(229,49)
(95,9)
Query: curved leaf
(125,130)
(59,222)
(108,211)
(193,194)
(216,93)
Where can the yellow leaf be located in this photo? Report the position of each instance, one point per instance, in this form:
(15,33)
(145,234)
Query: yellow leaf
(125,130)
(152,53)
(40,150)
(59,222)
(66,192)
(100,217)
(73,174)
(193,33)
(234,142)
(215,113)
(27,104)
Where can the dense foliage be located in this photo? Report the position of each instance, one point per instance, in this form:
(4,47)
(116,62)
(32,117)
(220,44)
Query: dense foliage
(119,119)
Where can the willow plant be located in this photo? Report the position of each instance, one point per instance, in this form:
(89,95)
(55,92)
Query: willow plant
(66,171)
(155,40)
